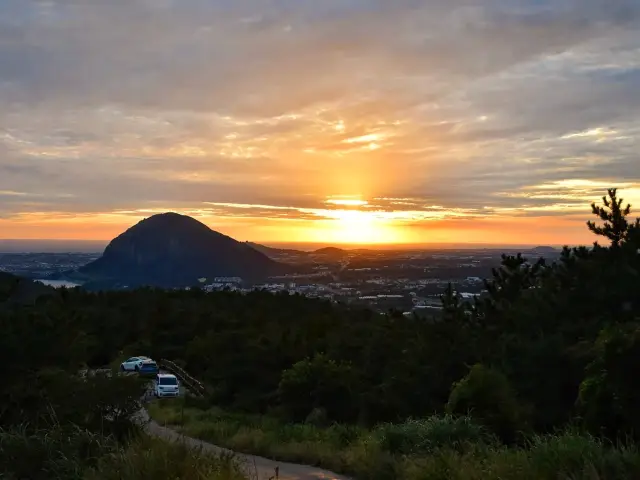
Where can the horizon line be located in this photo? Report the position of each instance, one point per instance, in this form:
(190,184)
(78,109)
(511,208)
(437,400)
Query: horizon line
(309,244)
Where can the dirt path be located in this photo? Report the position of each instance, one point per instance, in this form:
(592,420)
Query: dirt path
(258,468)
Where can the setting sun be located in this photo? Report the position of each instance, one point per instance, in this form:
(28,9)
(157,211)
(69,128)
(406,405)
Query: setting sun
(357,227)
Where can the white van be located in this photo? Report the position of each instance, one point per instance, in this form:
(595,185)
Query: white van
(166,385)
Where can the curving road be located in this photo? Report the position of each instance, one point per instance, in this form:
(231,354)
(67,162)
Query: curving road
(257,468)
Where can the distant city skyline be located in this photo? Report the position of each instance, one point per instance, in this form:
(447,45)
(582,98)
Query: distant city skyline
(333,122)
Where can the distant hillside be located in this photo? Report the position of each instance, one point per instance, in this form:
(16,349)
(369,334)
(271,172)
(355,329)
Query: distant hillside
(14,289)
(544,249)
(173,250)
(270,251)
(333,251)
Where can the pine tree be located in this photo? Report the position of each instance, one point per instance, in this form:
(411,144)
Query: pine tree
(616,227)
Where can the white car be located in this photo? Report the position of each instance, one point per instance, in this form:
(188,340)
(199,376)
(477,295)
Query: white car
(166,385)
(133,364)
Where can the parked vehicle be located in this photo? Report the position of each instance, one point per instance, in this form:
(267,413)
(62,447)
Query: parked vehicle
(166,385)
(133,364)
(148,368)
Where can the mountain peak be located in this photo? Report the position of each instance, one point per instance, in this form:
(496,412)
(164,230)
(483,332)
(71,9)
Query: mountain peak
(170,216)
(169,220)
(170,249)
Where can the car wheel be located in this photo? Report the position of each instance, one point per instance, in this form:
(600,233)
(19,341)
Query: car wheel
(137,368)
(122,368)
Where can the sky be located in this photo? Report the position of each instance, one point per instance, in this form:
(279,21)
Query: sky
(335,121)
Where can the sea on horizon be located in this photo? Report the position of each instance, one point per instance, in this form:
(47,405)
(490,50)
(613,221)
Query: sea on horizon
(58,283)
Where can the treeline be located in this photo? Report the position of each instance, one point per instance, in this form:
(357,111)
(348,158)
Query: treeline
(551,345)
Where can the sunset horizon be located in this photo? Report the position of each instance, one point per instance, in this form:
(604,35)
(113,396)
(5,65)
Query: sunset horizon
(341,222)
(353,227)
(351,122)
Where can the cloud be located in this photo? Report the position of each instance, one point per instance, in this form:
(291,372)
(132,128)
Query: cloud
(461,104)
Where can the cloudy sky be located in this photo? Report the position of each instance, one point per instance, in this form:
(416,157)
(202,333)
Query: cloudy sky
(304,120)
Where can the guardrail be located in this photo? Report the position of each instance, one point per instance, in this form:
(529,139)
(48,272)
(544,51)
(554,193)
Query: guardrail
(195,386)
(192,384)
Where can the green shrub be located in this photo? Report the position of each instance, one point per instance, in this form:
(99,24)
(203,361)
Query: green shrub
(610,395)
(555,457)
(486,395)
(343,435)
(98,403)
(319,383)
(418,436)
(582,456)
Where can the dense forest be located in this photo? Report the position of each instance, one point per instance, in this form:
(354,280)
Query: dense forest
(550,347)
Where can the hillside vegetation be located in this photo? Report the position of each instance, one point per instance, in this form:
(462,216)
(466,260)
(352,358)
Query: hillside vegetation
(17,290)
(537,380)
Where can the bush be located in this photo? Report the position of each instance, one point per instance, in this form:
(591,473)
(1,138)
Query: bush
(428,435)
(100,403)
(486,395)
(610,394)
(319,383)
(342,435)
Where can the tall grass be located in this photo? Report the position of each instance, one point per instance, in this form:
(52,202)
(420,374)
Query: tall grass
(435,448)
(420,436)
(60,453)
(554,457)
(72,453)
(148,459)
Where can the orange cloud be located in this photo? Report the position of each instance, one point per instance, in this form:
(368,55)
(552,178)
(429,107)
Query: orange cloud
(337,226)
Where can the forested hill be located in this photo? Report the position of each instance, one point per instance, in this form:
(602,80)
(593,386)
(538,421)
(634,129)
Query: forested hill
(172,250)
(18,290)
(271,251)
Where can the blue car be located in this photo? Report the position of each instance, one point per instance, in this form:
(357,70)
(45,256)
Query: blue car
(148,368)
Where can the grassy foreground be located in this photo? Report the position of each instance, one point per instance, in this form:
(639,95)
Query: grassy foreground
(431,449)
(76,454)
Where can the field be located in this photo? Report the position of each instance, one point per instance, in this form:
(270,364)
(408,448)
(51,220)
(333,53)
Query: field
(443,447)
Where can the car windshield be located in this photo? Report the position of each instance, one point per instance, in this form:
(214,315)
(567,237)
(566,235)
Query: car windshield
(168,381)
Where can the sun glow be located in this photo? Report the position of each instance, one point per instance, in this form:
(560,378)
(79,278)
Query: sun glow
(347,202)
(357,227)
